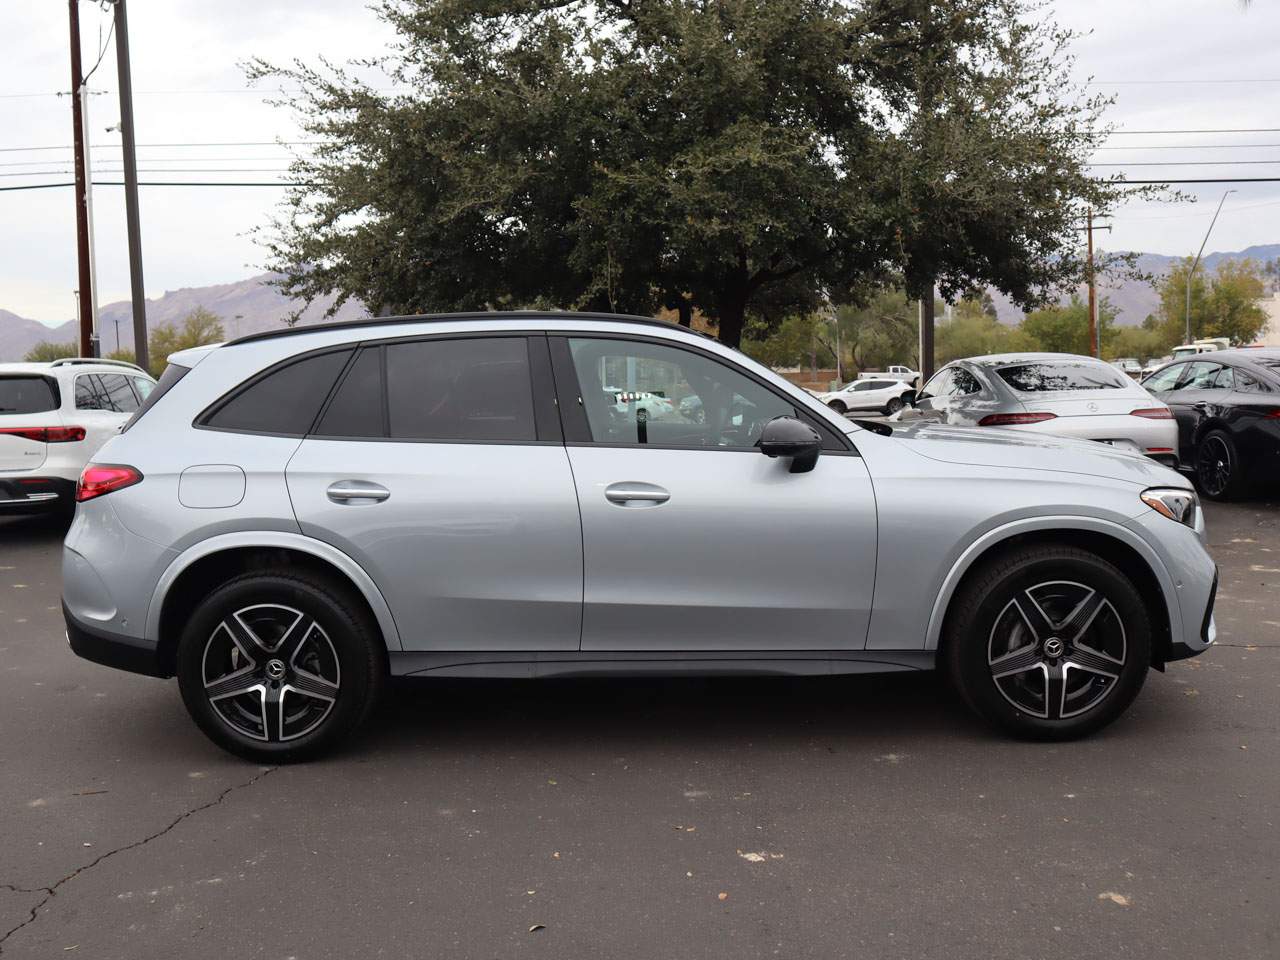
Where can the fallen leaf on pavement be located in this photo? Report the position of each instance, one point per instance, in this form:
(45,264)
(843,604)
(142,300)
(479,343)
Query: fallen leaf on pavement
(1117,898)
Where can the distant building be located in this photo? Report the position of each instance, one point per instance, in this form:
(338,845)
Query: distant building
(1270,335)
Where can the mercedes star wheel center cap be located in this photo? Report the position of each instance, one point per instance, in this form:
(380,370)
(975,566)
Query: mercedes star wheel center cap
(1053,647)
(275,669)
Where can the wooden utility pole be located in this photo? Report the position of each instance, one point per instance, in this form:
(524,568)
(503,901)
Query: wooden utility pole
(1093,296)
(85,307)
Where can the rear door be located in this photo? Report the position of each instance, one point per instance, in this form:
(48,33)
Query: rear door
(438,465)
(27,403)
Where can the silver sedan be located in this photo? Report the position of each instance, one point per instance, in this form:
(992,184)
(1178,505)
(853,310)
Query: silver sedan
(1057,393)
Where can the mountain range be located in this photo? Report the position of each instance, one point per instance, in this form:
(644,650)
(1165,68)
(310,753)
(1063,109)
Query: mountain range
(253,305)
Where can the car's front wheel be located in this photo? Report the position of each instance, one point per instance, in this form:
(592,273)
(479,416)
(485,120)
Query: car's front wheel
(838,406)
(1048,642)
(893,406)
(279,667)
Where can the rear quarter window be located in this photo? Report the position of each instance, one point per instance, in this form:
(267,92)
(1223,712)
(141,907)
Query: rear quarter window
(283,400)
(20,395)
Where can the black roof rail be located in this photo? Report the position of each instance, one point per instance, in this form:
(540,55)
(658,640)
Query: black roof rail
(447,317)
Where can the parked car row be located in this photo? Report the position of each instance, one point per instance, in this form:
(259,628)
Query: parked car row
(295,516)
(53,418)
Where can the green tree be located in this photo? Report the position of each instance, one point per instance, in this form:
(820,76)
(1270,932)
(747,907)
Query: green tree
(1064,328)
(199,327)
(738,157)
(47,350)
(972,332)
(1224,304)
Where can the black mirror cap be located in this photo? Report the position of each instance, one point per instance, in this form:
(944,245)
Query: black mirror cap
(789,437)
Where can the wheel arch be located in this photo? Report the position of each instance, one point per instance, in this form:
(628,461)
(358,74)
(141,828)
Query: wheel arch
(220,558)
(1111,541)
(1205,427)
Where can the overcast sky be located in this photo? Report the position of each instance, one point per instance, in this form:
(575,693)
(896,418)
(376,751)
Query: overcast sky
(1175,65)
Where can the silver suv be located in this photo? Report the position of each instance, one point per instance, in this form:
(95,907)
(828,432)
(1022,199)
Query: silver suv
(295,516)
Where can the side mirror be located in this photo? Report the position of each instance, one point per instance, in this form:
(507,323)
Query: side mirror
(789,437)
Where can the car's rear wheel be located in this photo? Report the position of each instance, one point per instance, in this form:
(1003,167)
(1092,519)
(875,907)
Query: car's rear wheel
(278,668)
(1219,473)
(838,406)
(893,406)
(1048,642)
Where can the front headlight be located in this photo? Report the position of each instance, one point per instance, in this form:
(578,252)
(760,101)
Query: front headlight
(1173,502)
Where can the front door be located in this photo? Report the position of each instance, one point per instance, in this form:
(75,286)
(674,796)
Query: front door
(439,467)
(692,539)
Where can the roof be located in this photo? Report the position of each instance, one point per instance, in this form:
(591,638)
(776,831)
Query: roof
(68,363)
(992,359)
(454,317)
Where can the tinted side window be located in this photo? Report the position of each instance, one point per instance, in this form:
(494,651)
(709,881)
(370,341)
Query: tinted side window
(285,401)
(1225,380)
(26,395)
(477,389)
(90,394)
(1165,379)
(143,387)
(636,392)
(119,395)
(356,410)
(938,384)
(1201,376)
(963,382)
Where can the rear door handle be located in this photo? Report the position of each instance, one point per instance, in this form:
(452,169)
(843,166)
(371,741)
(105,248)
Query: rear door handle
(631,493)
(357,491)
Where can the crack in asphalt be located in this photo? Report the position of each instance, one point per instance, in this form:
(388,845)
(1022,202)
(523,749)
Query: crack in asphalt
(52,891)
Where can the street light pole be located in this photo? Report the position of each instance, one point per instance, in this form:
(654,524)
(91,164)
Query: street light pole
(1196,263)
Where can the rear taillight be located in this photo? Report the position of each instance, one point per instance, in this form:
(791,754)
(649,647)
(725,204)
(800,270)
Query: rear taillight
(1152,413)
(100,478)
(1273,414)
(1013,419)
(45,434)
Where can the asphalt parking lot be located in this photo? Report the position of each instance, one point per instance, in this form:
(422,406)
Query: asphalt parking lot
(854,817)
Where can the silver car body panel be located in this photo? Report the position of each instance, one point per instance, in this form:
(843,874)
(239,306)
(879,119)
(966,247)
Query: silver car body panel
(640,586)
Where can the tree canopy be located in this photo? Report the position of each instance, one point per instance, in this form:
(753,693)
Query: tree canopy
(737,157)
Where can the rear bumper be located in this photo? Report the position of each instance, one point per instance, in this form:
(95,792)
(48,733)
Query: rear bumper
(35,494)
(111,649)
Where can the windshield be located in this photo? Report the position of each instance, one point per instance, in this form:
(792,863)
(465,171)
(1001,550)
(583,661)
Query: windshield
(1057,375)
(26,395)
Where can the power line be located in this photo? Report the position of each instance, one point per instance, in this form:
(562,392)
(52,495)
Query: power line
(1190,80)
(1195,146)
(49,173)
(1117,133)
(1207,180)
(1186,163)
(219,143)
(166,183)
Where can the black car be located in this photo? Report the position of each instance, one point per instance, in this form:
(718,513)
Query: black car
(1227,404)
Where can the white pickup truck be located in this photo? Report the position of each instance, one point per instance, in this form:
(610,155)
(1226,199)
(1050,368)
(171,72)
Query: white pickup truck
(895,372)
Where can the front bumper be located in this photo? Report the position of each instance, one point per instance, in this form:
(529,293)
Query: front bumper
(1180,649)
(112,649)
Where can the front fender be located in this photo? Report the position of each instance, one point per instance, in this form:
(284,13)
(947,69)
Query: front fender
(283,540)
(975,550)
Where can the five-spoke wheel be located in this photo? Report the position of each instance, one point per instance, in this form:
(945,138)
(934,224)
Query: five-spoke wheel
(279,667)
(1048,641)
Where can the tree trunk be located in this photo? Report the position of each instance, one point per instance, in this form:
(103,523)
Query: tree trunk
(686,312)
(732,315)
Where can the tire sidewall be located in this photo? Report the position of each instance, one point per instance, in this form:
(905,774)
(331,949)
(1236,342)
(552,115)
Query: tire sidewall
(969,647)
(351,643)
(838,407)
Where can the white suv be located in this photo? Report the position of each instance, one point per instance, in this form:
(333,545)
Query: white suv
(53,418)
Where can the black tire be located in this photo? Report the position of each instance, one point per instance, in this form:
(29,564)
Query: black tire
(838,406)
(893,406)
(1082,689)
(331,680)
(1219,471)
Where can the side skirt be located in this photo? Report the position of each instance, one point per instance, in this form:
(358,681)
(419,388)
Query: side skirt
(595,663)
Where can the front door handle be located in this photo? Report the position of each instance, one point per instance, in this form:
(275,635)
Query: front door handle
(357,491)
(630,493)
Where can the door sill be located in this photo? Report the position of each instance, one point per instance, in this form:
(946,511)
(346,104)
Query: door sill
(593,663)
